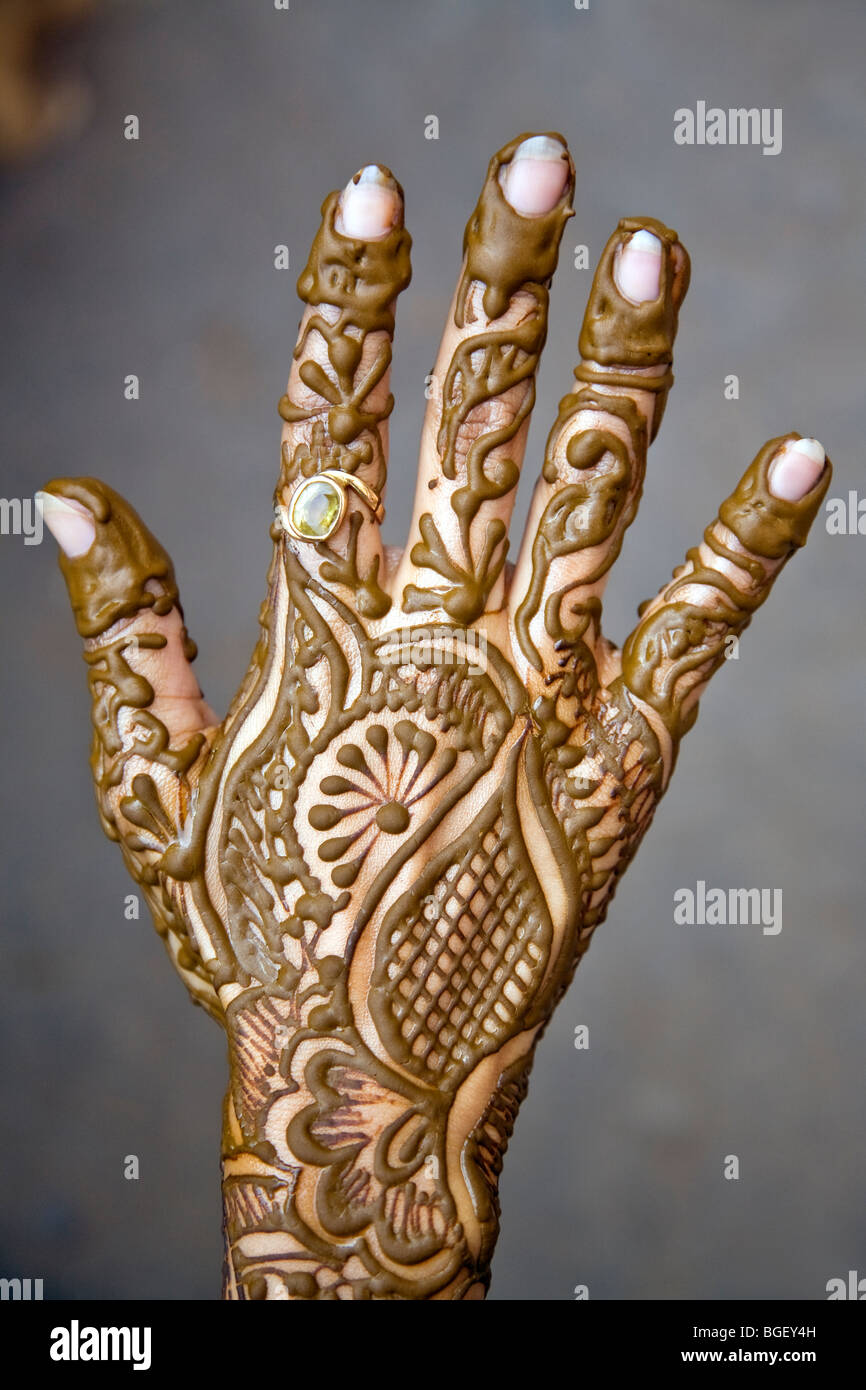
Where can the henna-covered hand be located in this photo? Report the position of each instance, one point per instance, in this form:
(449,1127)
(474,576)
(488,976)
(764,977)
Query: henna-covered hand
(380,871)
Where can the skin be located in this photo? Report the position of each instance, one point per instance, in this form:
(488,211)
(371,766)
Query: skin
(381,869)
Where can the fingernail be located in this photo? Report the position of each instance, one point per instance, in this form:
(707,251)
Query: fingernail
(369,204)
(537,174)
(796,469)
(70,524)
(637,269)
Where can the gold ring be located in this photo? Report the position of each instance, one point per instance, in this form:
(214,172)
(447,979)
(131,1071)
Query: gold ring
(317,506)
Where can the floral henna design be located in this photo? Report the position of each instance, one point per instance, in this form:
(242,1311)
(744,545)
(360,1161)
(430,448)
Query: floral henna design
(381,870)
(505,255)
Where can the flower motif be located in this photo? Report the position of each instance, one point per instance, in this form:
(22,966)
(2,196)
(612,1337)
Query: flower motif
(387,774)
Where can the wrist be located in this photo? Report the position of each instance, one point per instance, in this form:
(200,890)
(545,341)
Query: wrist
(336,1185)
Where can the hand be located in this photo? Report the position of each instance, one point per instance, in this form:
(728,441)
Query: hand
(380,871)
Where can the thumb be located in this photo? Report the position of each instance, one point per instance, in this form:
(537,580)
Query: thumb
(119,576)
(152,725)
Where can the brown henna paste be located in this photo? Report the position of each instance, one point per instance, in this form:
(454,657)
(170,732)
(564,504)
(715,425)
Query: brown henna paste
(618,333)
(506,253)
(383,870)
(359,282)
(362,280)
(111,580)
(679,643)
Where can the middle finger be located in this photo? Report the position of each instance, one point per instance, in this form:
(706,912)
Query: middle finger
(483,385)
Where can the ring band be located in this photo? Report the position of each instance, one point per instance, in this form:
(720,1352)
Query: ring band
(318,504)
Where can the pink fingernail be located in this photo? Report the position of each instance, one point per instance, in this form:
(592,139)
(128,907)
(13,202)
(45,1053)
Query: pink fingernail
(637,269)
(70,524)
(538,172)
(796,469)
(369,205)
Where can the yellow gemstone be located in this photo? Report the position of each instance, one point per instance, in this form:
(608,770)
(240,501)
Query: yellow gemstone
(316,508)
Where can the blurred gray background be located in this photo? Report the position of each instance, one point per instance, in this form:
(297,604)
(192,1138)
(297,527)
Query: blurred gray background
(156,258)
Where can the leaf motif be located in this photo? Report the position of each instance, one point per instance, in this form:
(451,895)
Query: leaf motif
(461,955)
